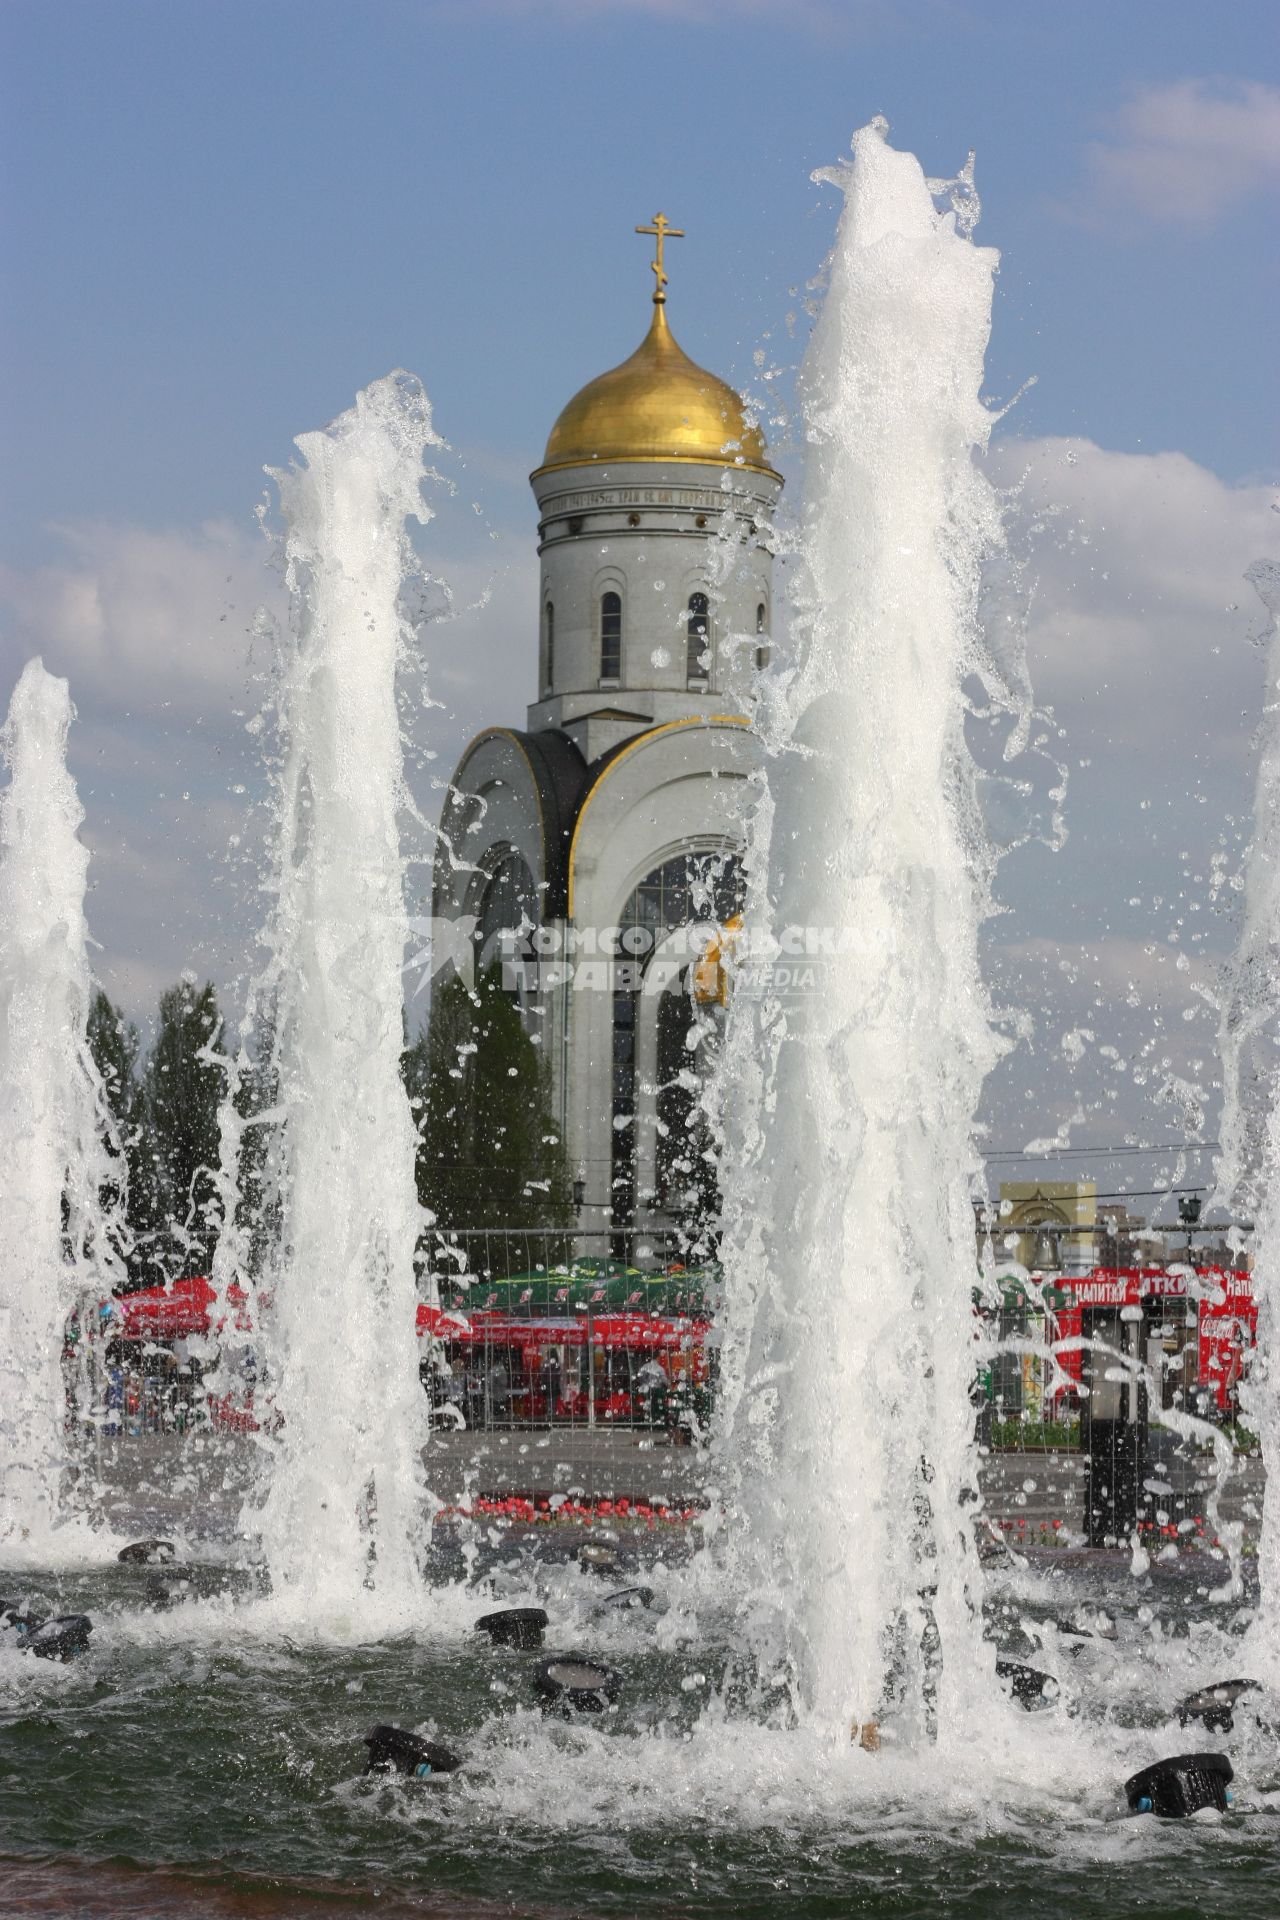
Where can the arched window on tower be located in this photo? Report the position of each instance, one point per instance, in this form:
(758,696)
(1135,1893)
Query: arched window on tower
(698,665)
(549,648)
(762,645)
(611,636)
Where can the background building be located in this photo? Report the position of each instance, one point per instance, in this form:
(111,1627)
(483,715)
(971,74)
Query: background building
(1048,1226)
(597,847)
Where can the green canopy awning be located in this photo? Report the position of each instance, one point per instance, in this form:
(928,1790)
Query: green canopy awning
(582,1285)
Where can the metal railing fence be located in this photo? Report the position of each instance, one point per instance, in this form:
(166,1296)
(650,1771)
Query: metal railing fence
(532,1328)
(546,1328)
(518,1328)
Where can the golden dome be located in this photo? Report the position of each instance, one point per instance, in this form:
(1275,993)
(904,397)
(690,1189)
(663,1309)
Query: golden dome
(658,405)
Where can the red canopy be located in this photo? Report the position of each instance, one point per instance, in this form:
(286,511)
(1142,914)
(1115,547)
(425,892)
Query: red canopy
(1130,1286)
(171,1312)
(646,1331)
(1227,1316)
(189,1307)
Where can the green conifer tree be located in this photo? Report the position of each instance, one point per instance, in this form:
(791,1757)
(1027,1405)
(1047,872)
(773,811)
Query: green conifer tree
(114,1046)
(490,1153)
(257,1191)
(183,1085)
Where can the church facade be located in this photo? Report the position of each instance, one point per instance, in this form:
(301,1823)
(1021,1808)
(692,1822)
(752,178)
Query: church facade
(597,852)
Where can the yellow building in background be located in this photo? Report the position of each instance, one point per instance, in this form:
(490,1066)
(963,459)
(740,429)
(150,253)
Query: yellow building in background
(1048,1226)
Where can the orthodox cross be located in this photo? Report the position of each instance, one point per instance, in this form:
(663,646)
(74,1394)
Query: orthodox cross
(661,232)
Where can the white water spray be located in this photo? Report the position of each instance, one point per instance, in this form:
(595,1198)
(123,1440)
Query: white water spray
(1249,1165)
(56,1244)
(340,1515)
(849,1252)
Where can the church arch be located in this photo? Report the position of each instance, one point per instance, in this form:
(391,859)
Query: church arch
(501,899)
(498,802)
(506,901)
(652,778)
(678,788)
(685,1163)
(695,881)
(657,1141)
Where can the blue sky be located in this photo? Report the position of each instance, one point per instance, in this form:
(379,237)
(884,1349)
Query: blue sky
(220,220)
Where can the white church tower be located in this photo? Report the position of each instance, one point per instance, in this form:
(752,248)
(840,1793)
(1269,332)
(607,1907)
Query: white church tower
(609,831)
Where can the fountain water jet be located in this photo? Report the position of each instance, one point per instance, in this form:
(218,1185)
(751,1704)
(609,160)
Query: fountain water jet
(1249,1164)
(342,1506)
(59,1245)
(849,1350)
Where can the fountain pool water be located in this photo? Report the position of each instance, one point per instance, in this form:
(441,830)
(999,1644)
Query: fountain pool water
(222,1742)
(234,1758)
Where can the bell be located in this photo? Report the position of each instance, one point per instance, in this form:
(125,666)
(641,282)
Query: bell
(1044,1253)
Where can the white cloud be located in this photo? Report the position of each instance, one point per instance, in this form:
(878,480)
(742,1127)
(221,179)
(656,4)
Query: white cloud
(134,616)
(482,663)
(1139,641)
(1137,638)
(152,628)
(1141,602)
(1186,152)
(1124,1040)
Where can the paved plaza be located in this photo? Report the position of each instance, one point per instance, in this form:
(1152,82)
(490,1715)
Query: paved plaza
(196,1483)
